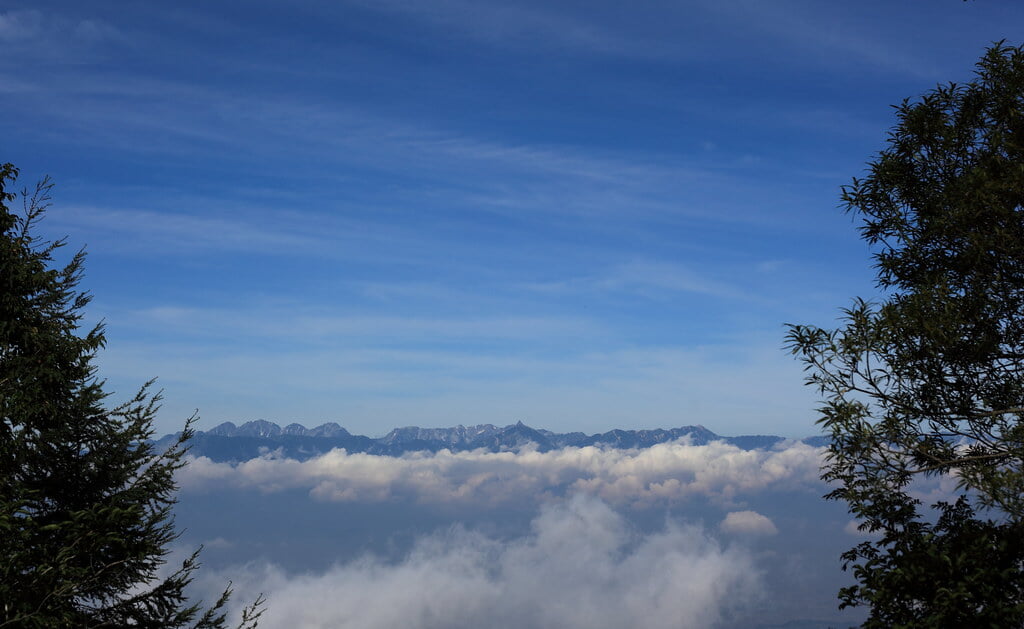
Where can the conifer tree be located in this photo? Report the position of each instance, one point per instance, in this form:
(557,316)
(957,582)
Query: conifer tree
(85,500)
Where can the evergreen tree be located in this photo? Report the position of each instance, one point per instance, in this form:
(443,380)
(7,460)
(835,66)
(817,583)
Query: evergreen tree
(85,501)
(930,380)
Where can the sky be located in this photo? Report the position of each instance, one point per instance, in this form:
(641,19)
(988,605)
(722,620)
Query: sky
(579,215)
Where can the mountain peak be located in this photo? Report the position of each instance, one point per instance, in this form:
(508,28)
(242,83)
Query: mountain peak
(301,443)
(227,429)
(330,429)
(259,428)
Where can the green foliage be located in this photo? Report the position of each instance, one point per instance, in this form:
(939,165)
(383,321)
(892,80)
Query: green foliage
(85,501)
(930,381)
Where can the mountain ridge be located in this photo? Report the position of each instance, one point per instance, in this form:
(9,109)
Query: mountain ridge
(228,442)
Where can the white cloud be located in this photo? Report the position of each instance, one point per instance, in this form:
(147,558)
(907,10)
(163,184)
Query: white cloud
(581,566)
(932,489)
(853,528)
(748,523)
(665,473)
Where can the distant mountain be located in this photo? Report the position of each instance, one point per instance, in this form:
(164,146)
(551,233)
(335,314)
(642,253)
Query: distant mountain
(228,442)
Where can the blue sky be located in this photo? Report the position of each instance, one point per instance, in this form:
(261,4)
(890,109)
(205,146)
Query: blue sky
(581,215)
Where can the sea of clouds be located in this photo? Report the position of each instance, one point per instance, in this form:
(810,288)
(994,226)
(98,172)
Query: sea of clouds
(740,538)
(581,565)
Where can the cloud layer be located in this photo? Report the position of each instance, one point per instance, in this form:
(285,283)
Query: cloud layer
(665,473)
(581,566)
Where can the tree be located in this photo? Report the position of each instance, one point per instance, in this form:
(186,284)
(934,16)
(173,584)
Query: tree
(928,381)
(85,500)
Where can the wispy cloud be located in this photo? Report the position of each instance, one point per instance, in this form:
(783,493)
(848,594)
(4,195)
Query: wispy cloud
(645,277)
(822,33)
(161,118)
(299,324)
(151,231)
(528,27)
(51,36)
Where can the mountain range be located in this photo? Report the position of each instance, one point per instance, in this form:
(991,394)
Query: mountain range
(230,443)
